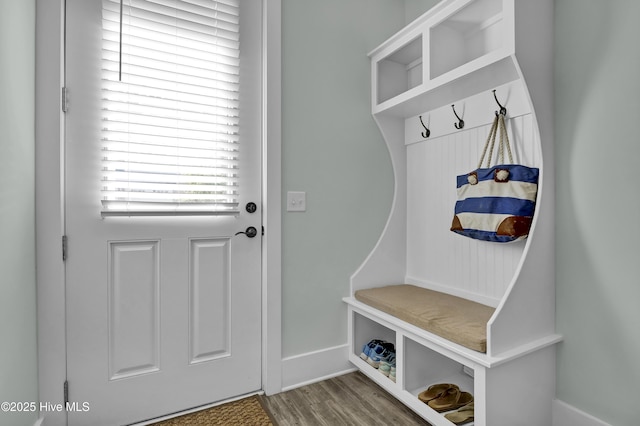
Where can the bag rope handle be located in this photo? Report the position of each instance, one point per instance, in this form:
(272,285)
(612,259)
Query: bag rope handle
(504,141)
(498,126)
(490,141)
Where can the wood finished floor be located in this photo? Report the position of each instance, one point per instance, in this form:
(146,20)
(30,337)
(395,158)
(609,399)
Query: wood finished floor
(352,399)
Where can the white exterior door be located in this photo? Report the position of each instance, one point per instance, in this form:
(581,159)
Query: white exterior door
(163,312)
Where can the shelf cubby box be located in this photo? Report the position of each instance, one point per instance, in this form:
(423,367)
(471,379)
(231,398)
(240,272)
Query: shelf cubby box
(472,32)
(429,367)
(458,52)
(400,71)
(369,330)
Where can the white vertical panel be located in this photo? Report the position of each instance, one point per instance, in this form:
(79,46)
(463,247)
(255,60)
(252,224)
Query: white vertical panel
(523,130)
(134,308)
(435,255)
(209,298)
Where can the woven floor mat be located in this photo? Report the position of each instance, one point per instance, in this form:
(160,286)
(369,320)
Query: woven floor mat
(246,411)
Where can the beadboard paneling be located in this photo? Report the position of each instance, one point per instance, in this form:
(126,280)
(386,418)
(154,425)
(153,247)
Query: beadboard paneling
(436,256)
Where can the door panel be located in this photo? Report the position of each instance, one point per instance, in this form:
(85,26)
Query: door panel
(163,313)
(134,308)
(209,307)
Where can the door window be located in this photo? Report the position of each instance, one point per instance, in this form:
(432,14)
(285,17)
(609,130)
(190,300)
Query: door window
(170,107)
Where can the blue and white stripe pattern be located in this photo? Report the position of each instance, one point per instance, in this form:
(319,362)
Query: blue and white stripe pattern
(494,209)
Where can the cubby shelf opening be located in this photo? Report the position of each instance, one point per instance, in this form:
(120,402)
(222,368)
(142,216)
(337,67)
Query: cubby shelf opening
(400,71)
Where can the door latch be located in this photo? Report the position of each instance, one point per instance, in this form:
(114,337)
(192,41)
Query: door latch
(249,232)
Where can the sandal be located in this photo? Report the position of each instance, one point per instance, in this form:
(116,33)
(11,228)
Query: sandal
(435,391)
(451,400)
(462,416)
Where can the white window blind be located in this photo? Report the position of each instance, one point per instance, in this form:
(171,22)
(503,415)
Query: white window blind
(170,126)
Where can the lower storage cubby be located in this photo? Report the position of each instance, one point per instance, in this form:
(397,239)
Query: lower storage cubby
(428,367)
(367,330)
(425,367)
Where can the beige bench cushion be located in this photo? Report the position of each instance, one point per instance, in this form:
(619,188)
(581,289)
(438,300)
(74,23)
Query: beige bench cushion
(456,319)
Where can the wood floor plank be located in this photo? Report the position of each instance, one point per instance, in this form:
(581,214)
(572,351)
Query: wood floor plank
(351,399)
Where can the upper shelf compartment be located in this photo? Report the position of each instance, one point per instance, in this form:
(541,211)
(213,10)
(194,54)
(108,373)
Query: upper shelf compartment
(402,70)
(469,42)
(473,32)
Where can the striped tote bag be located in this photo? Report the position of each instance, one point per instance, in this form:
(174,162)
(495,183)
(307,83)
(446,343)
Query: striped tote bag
(496,203)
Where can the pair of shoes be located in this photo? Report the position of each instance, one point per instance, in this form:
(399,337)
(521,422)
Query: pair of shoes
(445,397)
(462,416)
(392,374)
(381,353)
(377,351)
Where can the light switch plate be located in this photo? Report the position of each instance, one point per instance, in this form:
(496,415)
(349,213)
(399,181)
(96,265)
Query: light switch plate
(296,201)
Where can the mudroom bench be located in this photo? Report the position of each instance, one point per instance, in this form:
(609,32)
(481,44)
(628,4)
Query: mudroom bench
(477,314)
(512,388)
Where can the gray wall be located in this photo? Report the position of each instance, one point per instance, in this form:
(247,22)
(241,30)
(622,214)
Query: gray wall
(18,365)
(598,206)
(414,8)
(331,149)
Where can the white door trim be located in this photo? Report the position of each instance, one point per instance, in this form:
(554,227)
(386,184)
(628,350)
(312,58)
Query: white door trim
(50,214)
(272,184)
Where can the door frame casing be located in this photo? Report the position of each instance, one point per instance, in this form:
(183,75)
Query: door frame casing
(49,161)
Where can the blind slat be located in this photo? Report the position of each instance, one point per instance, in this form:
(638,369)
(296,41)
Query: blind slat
(188,121)
(193,101)
(212,67)
(220,175)
(160,82)
(115,98)
(228,148)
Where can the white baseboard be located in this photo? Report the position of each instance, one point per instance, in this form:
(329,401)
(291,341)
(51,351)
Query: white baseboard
(304,369)
(567,415)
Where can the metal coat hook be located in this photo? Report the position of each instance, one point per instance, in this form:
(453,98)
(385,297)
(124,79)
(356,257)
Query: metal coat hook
(426,132)
(460,124)
(503,110)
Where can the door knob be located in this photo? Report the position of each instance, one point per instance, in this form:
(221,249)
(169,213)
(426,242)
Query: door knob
(249,232)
